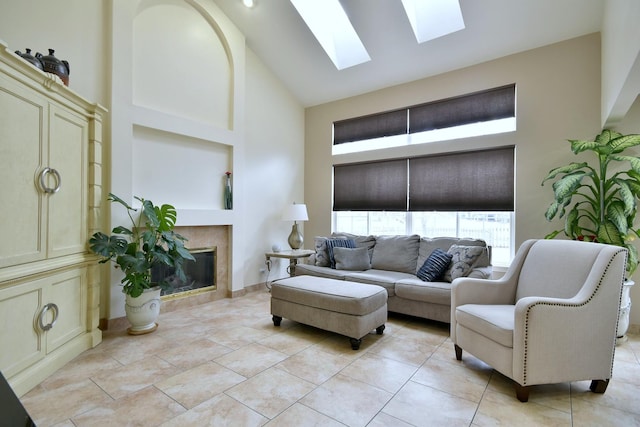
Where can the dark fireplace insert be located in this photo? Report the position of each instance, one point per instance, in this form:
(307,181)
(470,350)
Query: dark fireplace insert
(201,274)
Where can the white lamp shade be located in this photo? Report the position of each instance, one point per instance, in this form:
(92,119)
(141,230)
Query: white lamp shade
(295,212)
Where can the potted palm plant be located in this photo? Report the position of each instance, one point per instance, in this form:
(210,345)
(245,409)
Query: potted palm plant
(151,239)
(599,202)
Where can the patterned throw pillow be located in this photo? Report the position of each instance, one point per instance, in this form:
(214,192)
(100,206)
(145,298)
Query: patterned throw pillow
(434,266)
(322,255)
(462,261)
(339,243)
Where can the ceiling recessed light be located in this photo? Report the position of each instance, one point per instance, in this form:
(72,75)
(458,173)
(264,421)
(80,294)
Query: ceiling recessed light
(330,25)
(248,3)
(433,18)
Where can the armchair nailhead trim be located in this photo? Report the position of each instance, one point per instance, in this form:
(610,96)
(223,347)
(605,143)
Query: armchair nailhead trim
(595,291)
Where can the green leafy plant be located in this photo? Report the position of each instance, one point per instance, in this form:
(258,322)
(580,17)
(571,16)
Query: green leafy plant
(134,250)
(604,196)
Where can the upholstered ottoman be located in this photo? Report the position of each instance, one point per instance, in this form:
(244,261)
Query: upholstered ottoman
(347,308)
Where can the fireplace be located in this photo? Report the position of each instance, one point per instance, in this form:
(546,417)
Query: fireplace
(200,275)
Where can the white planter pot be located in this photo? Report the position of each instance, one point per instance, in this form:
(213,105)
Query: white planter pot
(142,312)
(625,310)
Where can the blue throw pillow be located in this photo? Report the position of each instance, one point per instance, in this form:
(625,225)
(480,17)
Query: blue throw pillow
(434,266)
(338,243)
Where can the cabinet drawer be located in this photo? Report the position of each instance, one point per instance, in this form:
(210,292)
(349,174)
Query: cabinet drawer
(58,301)
(68,292)
(21,344)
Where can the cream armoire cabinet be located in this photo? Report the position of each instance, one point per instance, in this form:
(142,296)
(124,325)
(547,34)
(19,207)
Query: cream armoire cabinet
(50,192)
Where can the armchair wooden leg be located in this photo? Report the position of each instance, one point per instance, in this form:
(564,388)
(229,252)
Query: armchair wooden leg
(599,386)
(458,352)
(522,392)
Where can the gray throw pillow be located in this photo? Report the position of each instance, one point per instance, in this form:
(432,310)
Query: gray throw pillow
(462,261)
(351,259)
(338,243)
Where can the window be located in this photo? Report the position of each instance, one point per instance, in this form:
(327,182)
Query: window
(486,112)
(462,194)
(493,227)
(368,186)
(480,180)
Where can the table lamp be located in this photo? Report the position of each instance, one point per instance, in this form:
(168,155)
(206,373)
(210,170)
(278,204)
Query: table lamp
(295,212)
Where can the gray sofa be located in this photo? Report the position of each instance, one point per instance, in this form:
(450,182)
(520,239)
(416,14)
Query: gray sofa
(394,262)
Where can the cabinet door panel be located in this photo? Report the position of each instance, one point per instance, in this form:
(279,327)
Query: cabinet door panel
(21,345)
(67,292)
(68,207)
(22,151)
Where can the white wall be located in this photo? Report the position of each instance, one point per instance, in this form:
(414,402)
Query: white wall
(76,29)
(620,59)
(267,132)
(275,156)
(631,124)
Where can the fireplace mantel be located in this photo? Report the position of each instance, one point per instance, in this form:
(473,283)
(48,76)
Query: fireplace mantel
(204,217)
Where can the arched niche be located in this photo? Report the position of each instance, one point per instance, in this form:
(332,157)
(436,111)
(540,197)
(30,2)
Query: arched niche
(181,64)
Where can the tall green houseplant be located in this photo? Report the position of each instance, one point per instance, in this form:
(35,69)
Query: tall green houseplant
(601,199)
(136,249)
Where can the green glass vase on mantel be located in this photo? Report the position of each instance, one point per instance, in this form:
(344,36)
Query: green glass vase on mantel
(228,195)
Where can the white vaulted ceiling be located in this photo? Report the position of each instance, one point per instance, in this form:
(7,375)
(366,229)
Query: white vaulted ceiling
(493,28)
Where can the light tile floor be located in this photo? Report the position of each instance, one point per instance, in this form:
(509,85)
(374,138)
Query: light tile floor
(224,363)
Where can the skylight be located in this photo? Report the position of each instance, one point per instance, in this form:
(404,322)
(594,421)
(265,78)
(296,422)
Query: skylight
(330,25)
(434,18)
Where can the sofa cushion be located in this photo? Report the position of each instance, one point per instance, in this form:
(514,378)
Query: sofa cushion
(314,270)
(435,266)
(463,261)
(428,245)
(352,259)
(338,243)
(322,254)
(396,253)
(417,290)
(386,279)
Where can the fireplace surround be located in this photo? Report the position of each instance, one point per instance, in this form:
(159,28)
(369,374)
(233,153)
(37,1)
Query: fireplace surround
(206,236)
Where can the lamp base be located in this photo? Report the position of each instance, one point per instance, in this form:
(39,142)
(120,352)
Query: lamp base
(295,238)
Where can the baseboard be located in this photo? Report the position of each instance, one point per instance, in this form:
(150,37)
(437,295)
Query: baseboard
(119,323)
(248,289)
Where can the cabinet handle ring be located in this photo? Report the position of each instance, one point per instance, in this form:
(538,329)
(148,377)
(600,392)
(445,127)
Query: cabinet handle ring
(43,184)
(43,312)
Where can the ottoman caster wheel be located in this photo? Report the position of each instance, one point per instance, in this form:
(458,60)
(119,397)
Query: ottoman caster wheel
(276,320)
(380,329)
(355,343)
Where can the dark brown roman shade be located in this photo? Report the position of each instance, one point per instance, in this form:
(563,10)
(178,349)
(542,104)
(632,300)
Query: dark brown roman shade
(369,127)
(370,186)
(468,181)
(484,106)
(480,181)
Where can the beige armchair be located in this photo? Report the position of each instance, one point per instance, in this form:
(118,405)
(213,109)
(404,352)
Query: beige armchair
(551,318)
